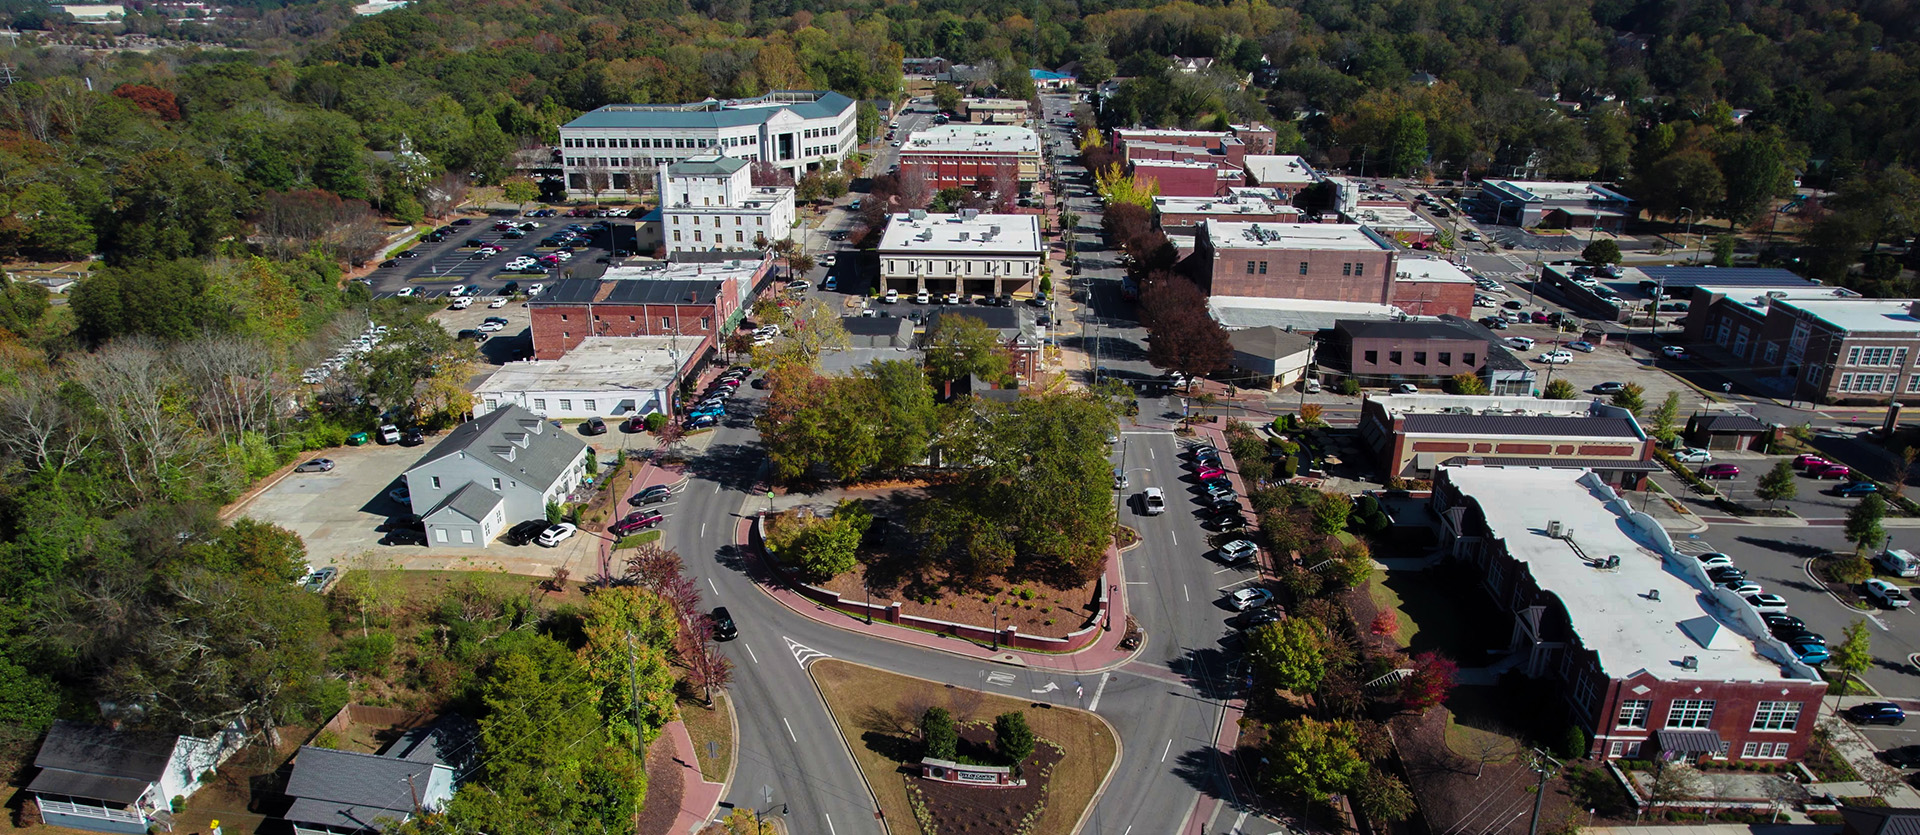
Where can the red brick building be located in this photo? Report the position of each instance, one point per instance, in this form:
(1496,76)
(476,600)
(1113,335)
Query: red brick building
(960,155)
(1648,657)
(1184,178)
(1432,287)
(701,310)
(1326,261)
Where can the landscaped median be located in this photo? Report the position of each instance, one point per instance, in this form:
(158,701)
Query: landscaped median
(880,716)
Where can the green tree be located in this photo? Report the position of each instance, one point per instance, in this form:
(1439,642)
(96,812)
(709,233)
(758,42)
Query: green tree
(1330,513)
(1778,485)
(1864,528)
(1854,654)
(1289,654)
(630,634)
(959,345)
(1666,419)
(1631,397)
(1406,144)
(1314,760)
(27,703)
(1012,739)
(828,547)
(1382,797)
(938,738)
(1560,389)
(946,97)
(1601,251)
(1755,169)
(520,191)
(1466,382)
(1724,247)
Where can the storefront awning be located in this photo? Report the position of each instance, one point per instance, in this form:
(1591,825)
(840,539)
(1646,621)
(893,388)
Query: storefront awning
(1689,743)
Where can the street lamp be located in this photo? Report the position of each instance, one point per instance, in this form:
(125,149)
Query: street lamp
(1689,234)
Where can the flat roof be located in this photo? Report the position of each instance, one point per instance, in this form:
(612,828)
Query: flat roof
(1173,163)
(1723,276)
(1612,610)
(1236,312)
(598,363)
(575,291)
(1757,299)
(1395,218)
(1223,206)
(969,235)
(714,164)
(1342,236)
(1548,191)
(1430,269)
(1860,314)
(1475,415)
(975,139)
(1142,133)
(1280,168)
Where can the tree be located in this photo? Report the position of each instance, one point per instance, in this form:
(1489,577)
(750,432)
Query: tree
(630,633)
(1560,389)
(595,176)
(1428,685)
(1855,653)
(1601,251)
(959,345)
(1183,337)
(520,191)
(1382,798)
(1724,247)
(1755,171)
(1406,144)
(1631,397)
(1863,523)
(1012,739)
(1313,759)
(1666,419)
(1330,513)
(1778,484)
(1466,382)
(827,548)
(938,738)
(946,97)
(1289,654)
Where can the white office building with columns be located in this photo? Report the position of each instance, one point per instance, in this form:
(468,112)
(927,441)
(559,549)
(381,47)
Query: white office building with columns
(709,203)
(967,253)
(623,145)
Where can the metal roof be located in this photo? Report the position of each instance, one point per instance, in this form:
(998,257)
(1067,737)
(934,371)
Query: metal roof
(714,114)
(1688,742)
(1541,425)
(471,501)
(101,763)
(577,291)
(1728,423)
(1602,464)
(1442,328)
(1725,276)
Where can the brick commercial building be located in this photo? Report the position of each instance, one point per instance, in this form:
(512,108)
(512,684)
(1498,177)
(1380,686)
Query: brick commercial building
(1413,434)
(1178,215)
(1432,287)
(1819,344)
(1329,261)
(1650,658)
(967,253)
(1285,172)
(1188,178)
(959,155)
(1135,145)
(1423,352)
(1020,335)
(994,111)
(700,312)
(797,130)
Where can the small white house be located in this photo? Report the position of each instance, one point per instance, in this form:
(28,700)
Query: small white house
(105,780)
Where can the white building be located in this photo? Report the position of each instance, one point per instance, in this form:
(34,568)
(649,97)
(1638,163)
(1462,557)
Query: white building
(966,253)
(604,376)
(1285,172)
(797,130)
(708,202)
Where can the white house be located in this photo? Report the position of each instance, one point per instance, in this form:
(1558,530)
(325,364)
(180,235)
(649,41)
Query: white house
(967,253)
(104,780)
(709,202)
(499,469)
(338,792)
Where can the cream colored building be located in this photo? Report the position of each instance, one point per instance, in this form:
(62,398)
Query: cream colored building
(967,253)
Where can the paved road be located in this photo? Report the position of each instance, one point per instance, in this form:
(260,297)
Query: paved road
(1166,704)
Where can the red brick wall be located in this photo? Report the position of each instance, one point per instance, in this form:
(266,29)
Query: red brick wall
(1734,705)
(1180,181)
(1433,298)
(946,169)
(1322,281)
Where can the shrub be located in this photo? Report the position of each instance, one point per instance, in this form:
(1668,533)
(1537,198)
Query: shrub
(938,739)
(1012,738)
(554,513)
(369,654)
(656,421)
(1349,387)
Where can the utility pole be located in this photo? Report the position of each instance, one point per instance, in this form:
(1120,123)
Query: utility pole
(1547,767)
(633,685)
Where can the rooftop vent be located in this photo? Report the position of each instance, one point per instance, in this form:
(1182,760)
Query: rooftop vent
(1653,595)
(1691,662)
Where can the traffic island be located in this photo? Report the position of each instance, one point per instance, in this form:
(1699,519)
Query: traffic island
(878,713)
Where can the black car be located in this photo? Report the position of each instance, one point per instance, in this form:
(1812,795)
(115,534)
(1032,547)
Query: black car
(389,263)
(723,628)
(408,254)
(465,221)
(435,236)
(510,288)
(1905,756)
(1725,574)
(1776,621)
(524,532)
(412,437)
(594,426)
(472,243)
(653,495)
(470,333)
(1255,618)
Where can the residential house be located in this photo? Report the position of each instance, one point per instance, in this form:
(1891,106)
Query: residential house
(106,780)
(339,792)
(492,472)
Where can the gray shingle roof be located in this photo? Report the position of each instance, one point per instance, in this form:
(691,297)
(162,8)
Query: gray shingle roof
(1444,328)
(471,501)
(1542,425)
(100,763)
(1867,820)
(578,291)
(540,452)
(1729,423)
(1269,342)
(717,166)
(353,790)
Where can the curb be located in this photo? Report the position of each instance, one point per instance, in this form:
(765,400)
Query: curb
(847,745)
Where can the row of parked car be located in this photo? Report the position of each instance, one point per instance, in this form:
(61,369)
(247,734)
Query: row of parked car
(366,341)
(1808,646)
(713,405)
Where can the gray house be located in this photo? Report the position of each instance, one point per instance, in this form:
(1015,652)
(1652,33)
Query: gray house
(346,792)
(492,472)
(106,780)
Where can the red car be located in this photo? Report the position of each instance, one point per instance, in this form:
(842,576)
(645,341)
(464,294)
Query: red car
(1205,472)
(635,521)
(1834,471)
(1720,471)
(1808,460)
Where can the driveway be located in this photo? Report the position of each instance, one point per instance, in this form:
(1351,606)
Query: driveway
(343,514)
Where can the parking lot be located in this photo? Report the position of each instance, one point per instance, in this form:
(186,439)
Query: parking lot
(441,266)
(1610,361)
(1814,498)
(513,341)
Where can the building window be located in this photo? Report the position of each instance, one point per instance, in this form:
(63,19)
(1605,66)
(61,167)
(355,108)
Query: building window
(1763,751)
(1303,268)
(436,482)
(1393,357)
(706,323)
(1359,268)
(566,405)
(1690,713)
(540,403)
(1419,358)
(1776,716)
(1633,713)
(496,484)
(1346,268)
(676,236)
(1263,268)
(666,323)
(1846,382)
(1250,266)
(1446,357)
(466,535)
(1466,359)
(1373,357)
(1583,693)
(590,406)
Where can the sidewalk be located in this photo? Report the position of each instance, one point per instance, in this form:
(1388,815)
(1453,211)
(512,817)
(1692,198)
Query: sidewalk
(698,798)
(1853,746)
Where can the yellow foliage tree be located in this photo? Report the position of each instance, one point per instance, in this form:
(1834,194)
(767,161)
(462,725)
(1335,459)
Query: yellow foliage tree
(1093,138)
(1116,187)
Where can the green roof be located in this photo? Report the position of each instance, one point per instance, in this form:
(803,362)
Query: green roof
(715,113)
(706,166)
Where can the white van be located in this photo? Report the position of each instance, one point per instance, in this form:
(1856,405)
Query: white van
(1899,563)
(1521,342)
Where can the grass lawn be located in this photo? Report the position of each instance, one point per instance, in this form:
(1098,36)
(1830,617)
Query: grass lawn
(1441,611)
(1384,598)
(878,712)
(710,725)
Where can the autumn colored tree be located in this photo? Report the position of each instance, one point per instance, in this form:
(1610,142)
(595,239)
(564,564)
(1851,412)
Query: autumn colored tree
(153,100)
(1430,682)
(1184,337)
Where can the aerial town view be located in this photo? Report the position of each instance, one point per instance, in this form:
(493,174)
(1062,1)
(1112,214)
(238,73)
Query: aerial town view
(1136,417)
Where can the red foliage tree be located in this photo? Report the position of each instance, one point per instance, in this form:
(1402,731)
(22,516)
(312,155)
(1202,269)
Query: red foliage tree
(151,99)
(1430,682)
(1385,623)
(1185,338)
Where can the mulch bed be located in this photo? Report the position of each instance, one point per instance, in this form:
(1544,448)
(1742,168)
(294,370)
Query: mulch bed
(665,787)
(958,808)
(1067,608)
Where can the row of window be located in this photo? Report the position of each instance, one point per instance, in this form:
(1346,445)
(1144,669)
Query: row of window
(738,220)
(496,482)
(818,133)
(662,144)
(1871,383)
(1630,748)
(1698,713)
(666,323)
(718,237)
(1876,356)
(963,267)
(1349,268)
(1419,358)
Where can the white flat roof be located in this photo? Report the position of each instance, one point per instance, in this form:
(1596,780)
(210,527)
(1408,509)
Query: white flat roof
(1222,206)
(1125,133)
(1758,298)
(976,235)
(1557,191)
(745,267)
(1430,269)
(1612,609)
(1862,314)
(977,139)
(597,364)
(1280,168)
(1172,163)
(1228,234)
(1236,312)
(1395,218)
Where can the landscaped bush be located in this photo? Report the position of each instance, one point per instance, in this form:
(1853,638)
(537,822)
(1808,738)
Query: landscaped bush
(656,421)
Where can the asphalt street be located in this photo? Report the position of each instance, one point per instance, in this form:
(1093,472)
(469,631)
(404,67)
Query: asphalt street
(1166,704)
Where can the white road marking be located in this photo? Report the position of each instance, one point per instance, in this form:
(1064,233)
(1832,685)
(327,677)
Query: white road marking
(716,488)
(703,530)
(1176,537)
(1000,679)
(802,654)
(1185,593)
(783,721)
(1136,582)
(1166,750)
(716,589)
(1150,455)
(1237,823)
(1047,689)
(1097,690)
(830,828)
(749,647)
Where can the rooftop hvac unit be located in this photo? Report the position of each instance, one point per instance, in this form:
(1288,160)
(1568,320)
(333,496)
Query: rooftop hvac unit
(1555,529)
(1653,595)
(1691,662)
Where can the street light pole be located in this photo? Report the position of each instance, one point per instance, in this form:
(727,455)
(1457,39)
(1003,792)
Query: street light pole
(1689,234)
